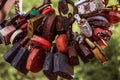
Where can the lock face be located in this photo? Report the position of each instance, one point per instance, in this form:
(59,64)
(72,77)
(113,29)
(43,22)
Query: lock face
(6,33)
(35,60)
(49,65)
(12,52)
(62,66)
(89,7)
(62,43)
(19,62)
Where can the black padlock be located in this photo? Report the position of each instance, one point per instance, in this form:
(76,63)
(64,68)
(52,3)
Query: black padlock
(85,50)
(62,67)
(19,62)
(49,65)
(11,53)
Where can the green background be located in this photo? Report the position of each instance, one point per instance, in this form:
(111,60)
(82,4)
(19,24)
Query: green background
(90,71)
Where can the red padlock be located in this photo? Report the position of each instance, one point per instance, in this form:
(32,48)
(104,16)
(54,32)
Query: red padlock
(35,60)
(102,34)
(100,42)
(62,43)
(114,17)
(48,10)
(41,42)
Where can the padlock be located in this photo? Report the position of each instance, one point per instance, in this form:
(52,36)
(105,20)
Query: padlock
(41,42)
(85,51)
(11,53)
(49,64)
(62,67)
(17,36)
(49,29)
(35,60)
(2,3)
(103,34)
(84,26)
(62,43)
(100,42)
(87,8)
(73,55)
(19,62)
(62,24)
(80,53)
(7,31)
(96,51)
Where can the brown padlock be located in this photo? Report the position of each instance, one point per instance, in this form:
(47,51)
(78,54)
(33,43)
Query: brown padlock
(73,55)
(62,43)
(49,29)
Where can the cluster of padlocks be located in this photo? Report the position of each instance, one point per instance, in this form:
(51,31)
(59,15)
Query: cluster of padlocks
(43,40)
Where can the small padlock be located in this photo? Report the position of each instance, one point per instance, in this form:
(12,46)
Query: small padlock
(35,60)
(80,53)
(62,43)
(73,55)
(12,52)
(103,34)
(2,3)
(7,31)
(96,51)
(17,36)
(62,67)
(49,64)
(84,26)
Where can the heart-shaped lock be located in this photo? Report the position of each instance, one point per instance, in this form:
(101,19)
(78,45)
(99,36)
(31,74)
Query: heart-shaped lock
(35,60)
(62,43)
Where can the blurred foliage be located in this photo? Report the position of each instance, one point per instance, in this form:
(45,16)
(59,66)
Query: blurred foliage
(90,71)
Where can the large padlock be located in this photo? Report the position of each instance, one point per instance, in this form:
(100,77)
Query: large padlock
(35,60)
(62,43)
(88,8)
(49,64)
(19,62)
(49,29)
(73,55)
(62,67)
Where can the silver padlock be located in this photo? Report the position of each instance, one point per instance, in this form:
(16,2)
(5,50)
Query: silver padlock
(84,26)
(87,7)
